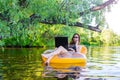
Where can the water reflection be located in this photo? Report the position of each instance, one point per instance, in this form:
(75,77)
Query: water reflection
(20,64)
(62,74)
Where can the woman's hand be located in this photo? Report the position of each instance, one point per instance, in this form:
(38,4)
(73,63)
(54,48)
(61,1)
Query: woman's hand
(77,46)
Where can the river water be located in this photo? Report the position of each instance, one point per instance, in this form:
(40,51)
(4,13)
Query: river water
(103,63)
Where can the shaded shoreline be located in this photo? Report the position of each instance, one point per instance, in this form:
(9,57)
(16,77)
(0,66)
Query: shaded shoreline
(23,46)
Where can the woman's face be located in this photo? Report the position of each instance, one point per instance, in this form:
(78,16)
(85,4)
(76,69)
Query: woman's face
(76,38)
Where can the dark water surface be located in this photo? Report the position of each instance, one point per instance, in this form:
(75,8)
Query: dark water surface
(103,63)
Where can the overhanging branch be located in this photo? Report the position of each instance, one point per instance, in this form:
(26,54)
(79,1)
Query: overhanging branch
(99,7)
(77,24)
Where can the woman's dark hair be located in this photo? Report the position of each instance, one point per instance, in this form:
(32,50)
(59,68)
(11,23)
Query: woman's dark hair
(72,41)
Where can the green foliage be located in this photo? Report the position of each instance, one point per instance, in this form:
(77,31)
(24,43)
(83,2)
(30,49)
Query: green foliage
(20,22)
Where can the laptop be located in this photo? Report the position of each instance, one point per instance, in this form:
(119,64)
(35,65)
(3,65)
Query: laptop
(61,41)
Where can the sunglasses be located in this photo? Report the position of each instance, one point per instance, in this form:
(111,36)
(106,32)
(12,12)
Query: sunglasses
(75,37)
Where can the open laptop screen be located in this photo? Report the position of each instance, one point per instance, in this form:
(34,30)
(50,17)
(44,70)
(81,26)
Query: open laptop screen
(61,41)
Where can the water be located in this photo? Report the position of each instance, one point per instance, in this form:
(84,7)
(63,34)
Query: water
(25,64)
(103,62)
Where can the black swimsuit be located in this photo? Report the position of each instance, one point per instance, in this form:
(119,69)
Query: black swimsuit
(73,47)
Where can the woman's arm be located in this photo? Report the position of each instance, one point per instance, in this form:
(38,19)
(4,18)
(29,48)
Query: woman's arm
(77,47)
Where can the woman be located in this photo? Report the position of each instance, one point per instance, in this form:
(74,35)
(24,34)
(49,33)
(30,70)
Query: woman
(75,44)
(75,50)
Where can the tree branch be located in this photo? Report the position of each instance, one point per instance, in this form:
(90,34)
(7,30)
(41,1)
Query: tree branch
(93,28)
(99,7)
(77,24)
